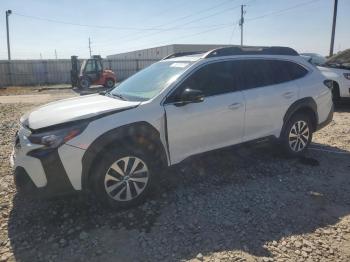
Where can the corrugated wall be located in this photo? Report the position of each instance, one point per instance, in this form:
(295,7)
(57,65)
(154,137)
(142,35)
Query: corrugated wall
(38,72)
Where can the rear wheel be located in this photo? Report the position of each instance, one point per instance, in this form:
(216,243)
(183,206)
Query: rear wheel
(297,134)
(124,178)
(109,83)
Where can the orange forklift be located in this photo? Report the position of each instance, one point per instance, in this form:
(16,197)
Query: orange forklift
(90,73)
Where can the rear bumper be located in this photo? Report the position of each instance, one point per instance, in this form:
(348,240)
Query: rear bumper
(327,121)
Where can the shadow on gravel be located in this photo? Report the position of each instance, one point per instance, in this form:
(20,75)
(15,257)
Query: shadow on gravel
(234,199)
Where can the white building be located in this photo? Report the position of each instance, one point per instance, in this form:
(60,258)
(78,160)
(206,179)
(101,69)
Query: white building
(157,53)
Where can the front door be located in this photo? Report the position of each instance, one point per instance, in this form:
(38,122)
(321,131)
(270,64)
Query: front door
(216,122)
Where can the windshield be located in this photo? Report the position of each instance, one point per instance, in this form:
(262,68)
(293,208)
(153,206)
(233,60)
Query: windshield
(149,82)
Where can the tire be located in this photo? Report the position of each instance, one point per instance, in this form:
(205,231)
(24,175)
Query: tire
(335,92)
(109,83)
(84,83)
(121,185)
(297,134)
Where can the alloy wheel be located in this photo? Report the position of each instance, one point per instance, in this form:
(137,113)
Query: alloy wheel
(299,136)
(126,178)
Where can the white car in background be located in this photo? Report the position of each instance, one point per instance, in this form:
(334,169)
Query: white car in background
(336,68)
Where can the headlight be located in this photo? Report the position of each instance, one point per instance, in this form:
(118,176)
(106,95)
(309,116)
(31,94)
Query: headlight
(347,75)
(53,138)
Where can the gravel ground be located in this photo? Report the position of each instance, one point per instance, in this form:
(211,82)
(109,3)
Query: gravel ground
(241,204)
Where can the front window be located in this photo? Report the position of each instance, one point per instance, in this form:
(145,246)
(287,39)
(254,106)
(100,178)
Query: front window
(90,66)
(149,82)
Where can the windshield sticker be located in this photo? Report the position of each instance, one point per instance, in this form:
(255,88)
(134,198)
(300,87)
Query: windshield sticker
(182,65)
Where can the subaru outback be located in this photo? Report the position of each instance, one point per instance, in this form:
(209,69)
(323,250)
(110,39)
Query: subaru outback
(116,143)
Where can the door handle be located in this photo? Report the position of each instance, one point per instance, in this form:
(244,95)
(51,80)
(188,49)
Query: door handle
(288,95)
(235,106)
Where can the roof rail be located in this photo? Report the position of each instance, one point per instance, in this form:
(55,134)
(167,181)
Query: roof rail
(251,50)
(181,54)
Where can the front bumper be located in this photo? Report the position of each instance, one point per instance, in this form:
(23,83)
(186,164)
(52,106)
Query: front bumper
(39,170)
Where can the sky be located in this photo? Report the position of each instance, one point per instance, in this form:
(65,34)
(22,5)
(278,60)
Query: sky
(39,27)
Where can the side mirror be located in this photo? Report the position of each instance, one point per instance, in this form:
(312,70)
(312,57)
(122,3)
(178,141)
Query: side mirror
(190,96)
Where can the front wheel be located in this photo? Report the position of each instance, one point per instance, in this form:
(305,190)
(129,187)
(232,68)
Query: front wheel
(297,135)
(84,83)
(123,179)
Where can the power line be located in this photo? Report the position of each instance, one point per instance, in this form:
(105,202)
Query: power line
(281,11)
(178,19)
(232,34)
(154,28)
(202,18)
(90,25)
(189,22)
(187,36)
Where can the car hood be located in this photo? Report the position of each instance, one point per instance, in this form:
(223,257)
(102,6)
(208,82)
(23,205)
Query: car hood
(73,109)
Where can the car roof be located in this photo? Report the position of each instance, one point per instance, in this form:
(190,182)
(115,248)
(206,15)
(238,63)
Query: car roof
(233,51)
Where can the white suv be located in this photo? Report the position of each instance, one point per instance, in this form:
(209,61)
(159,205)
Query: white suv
(337,69)
(115,144)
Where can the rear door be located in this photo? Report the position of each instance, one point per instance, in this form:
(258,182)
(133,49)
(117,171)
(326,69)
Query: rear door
(269,87)
(216,122)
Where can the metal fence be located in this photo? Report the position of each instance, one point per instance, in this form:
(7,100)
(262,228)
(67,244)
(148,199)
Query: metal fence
(46,72)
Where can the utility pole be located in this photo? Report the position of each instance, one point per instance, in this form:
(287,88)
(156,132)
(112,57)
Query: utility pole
(90,46)
(8,12)
(55,54)
(333,26)
(241,22)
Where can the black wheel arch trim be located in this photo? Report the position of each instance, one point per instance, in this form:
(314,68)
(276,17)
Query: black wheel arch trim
(125,136)
(307,103)
(58,182)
